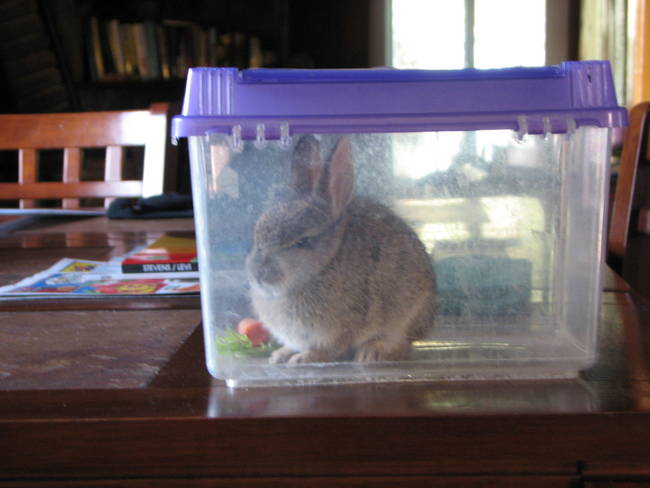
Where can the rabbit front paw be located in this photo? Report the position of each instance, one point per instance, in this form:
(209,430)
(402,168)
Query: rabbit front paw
(310,356)
(281,355)
(380,350)
(289,356)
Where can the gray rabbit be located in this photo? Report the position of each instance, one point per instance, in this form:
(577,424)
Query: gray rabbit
(336,276)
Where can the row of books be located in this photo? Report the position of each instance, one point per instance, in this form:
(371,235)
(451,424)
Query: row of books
(164,50)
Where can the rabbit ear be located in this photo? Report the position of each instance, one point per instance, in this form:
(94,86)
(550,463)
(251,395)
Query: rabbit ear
(306,164)
(336,184)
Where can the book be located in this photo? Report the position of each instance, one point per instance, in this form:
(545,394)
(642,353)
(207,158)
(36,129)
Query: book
(142,51)
(128,50)
(95,61)
(152,49)
(116,48)
(161,36)
(167,254)
(110,71)
(164,49)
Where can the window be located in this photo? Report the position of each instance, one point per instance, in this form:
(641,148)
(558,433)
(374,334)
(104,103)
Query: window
(444,34)
(455,34)
(482,168)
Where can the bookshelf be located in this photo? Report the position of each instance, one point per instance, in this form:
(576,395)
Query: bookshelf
(50,64)
(163,48)
(127,54)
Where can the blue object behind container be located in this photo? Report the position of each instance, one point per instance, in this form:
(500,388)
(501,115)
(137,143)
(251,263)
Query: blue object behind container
(483,285)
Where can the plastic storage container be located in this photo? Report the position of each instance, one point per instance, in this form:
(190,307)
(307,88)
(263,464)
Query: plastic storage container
(399,225)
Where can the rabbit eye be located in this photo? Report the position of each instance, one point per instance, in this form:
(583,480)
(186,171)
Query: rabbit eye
(304,243)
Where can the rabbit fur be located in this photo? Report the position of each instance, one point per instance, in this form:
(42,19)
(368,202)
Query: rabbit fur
(333,275)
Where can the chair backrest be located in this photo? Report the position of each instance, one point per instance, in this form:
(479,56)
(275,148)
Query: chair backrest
(74,133)
(631,210)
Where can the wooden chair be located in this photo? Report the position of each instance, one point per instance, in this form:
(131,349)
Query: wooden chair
(29,134)
(630,218)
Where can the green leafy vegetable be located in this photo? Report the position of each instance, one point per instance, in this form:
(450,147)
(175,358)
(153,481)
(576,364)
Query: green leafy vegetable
(238,344)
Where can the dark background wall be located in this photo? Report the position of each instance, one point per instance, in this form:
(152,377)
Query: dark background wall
(45,45)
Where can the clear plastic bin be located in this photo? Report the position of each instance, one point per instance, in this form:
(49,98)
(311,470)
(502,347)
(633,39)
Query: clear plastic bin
(389,225)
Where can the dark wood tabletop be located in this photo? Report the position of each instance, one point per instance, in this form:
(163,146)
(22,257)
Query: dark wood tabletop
(114,392)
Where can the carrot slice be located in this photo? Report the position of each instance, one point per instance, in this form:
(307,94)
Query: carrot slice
(254,330)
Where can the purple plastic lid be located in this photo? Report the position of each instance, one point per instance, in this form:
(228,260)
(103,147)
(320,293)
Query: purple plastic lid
(272,102)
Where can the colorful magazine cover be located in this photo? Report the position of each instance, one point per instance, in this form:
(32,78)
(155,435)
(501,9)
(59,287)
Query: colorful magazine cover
(82,277)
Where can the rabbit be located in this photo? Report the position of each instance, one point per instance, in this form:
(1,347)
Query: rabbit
(334,276)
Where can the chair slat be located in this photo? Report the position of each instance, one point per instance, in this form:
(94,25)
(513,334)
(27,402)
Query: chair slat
(113,167)
(628,217)
(27,173)
(71,172)
(622,209)
(85,189)
(83,129)
(114,159)
(153,170)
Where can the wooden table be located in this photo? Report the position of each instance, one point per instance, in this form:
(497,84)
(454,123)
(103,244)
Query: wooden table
(113,392)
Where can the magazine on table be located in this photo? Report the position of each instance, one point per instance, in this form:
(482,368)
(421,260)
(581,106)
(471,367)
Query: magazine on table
(80,277)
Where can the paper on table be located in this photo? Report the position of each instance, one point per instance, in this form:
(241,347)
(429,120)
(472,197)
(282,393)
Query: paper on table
(56,212)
